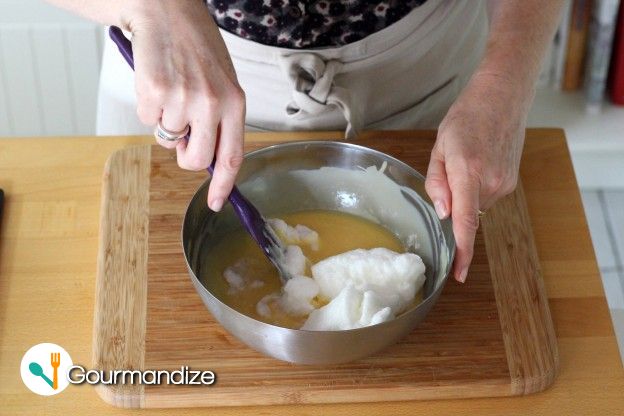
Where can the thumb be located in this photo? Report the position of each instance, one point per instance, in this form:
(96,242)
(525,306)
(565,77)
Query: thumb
(437,185)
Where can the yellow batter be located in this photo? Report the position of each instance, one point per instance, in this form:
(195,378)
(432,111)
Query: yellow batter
(338,232)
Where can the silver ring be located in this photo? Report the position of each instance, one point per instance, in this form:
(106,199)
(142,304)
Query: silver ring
(170,136)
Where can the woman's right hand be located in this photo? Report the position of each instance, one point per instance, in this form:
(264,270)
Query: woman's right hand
(184,76)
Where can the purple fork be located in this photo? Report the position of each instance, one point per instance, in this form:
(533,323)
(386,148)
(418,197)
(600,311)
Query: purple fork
(247,213)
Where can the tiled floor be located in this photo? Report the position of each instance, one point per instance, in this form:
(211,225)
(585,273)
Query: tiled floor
(605,215)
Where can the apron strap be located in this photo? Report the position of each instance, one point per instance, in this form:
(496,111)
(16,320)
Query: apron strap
(314,90)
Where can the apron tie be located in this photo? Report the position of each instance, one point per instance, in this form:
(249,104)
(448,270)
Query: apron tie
(314,90)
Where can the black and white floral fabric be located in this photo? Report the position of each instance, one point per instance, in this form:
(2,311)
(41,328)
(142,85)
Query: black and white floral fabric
(307,24)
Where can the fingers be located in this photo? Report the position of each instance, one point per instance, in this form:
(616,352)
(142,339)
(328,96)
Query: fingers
(437,186)
(174,119)
(198,152)
(154,92)
(465,202)
(151,81)
(456,194)
(497,185)
(229,157)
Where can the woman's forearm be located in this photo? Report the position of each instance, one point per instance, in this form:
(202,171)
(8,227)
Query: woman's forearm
(520,33)
(116,12)
(106,12)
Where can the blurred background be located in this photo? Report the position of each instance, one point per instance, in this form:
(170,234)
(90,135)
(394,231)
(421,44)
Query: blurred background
(49,70)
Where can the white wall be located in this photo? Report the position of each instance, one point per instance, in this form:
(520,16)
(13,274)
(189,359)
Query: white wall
(595,140)
(49,69)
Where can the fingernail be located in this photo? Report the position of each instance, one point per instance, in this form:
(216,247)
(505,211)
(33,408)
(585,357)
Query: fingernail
(440,209)
(462,275)
(216,205)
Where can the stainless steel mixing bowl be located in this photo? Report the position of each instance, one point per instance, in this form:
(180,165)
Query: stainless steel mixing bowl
(287,178)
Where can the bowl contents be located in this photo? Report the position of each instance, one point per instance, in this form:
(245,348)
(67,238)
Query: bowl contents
(349,273)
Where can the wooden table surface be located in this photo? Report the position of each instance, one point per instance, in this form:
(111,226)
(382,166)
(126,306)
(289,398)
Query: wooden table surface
(48,246)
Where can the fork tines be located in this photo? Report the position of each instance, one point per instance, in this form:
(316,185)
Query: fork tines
(55,358)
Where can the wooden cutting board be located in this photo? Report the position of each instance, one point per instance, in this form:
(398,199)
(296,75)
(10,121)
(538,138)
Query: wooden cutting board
(492,336)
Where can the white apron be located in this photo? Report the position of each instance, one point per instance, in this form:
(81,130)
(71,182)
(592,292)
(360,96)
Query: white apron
(404,76)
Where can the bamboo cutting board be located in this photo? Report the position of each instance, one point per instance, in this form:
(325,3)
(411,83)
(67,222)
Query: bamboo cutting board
(492,336)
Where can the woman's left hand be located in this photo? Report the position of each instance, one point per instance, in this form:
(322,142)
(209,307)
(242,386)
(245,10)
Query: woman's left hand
(476,157)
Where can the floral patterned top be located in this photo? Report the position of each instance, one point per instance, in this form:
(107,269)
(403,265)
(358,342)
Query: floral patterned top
(308,23)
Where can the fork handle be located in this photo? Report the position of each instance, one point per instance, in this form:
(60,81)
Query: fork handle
(55,378)
(248,214)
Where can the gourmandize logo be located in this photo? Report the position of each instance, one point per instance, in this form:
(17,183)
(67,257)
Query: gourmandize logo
(47,369)
(44,369)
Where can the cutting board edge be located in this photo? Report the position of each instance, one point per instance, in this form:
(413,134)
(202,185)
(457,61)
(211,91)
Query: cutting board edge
(256,396)
(533,369)
(124,337)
